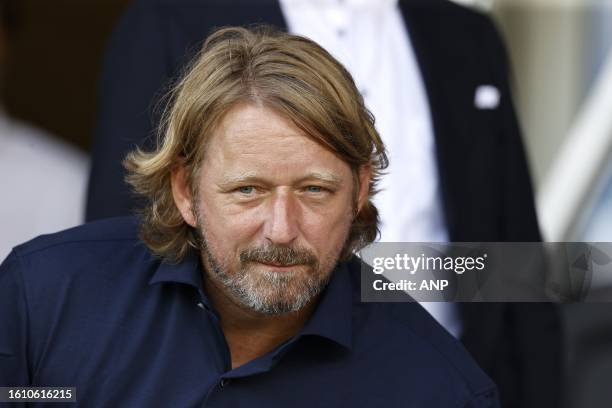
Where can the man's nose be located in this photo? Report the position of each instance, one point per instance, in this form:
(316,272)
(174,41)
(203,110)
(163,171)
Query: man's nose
(281,224)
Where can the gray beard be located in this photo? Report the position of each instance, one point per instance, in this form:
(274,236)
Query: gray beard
(267,292)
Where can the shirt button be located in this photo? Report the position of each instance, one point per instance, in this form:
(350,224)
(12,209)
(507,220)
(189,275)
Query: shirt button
(224,382)
(200,305)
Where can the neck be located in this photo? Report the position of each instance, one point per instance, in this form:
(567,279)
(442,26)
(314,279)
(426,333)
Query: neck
(250,334)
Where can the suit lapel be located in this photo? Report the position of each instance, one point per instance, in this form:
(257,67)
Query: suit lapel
(426,24)
(451,74)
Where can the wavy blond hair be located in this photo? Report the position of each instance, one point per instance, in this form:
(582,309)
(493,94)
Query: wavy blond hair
(288,73)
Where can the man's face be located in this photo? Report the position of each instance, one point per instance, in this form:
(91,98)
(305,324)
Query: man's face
(273,208)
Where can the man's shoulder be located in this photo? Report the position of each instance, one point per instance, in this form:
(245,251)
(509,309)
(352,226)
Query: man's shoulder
(118,231)
(413,338)
(108,249)
(91,260)
(438,346)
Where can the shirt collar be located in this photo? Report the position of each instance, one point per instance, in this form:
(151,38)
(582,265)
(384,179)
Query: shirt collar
(187,271)
(331,319)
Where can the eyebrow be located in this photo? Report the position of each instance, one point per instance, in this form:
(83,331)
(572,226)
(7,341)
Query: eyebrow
(324,177)
(251,177)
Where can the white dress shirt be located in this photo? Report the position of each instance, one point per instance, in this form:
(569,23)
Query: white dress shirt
(370,39)
(42,184)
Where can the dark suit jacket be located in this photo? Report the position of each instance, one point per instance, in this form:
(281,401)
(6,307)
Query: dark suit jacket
(486,190)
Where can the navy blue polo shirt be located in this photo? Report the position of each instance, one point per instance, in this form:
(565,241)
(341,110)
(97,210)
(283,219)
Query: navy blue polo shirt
(92,308)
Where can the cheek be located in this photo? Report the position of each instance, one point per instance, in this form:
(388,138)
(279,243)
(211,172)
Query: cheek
(327,228)
(226,230)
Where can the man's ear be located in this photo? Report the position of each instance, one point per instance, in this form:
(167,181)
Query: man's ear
(181,192)
(365,175)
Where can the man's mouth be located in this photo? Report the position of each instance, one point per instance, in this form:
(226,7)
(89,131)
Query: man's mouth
(277,265)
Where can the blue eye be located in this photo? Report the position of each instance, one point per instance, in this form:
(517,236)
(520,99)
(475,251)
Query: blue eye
(246,189)
(314,189)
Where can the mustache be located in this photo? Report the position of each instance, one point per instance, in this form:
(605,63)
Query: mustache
(279,255)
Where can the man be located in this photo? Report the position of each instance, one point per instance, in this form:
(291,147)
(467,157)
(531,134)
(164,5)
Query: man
(435,76)
(244,288)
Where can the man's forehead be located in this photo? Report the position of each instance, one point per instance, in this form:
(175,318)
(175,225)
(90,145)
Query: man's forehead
(255,124)
(253,138)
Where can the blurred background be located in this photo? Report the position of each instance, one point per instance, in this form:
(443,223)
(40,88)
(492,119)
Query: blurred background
(561,51)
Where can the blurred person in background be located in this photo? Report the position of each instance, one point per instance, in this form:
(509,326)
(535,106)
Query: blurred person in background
(43,179)
(435,76)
